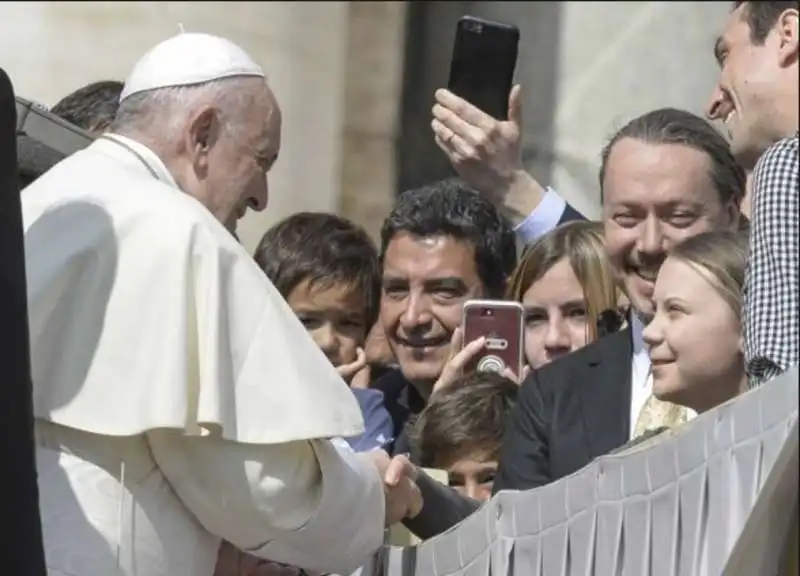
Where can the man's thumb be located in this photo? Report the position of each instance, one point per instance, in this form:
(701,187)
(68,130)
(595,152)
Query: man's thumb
(515,106)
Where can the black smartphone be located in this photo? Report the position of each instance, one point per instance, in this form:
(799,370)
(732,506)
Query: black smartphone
(483,63)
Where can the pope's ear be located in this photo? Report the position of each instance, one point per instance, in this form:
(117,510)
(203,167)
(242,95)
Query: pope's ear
(203,130)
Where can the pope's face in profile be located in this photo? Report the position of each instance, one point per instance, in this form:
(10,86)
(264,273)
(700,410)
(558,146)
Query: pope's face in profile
(242,147)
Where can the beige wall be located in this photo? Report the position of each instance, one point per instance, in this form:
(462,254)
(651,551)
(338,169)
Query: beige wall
(373,90)
(618,60)
(54,47)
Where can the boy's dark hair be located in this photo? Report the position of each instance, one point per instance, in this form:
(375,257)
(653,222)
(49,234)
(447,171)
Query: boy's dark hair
(466,417)
(323,249)
(674,126)
(450,208)
(761,16)
(91,107)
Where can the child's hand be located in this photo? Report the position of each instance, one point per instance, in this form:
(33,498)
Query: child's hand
(362,378)
(354,372)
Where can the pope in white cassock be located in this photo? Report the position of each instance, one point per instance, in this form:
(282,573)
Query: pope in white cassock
(178,401)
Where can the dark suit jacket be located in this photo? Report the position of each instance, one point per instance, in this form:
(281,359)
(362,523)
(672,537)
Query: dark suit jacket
(570,214)
(568,413)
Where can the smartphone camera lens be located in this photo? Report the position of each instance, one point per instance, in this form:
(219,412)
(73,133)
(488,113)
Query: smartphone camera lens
(488,312)
(476,27)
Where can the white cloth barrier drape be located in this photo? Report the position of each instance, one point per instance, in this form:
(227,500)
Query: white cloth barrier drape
(717,496)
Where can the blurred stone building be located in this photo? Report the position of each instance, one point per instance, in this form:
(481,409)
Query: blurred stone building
(356,80)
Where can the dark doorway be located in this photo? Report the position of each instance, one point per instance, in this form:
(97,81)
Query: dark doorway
(21,546)
(429,38)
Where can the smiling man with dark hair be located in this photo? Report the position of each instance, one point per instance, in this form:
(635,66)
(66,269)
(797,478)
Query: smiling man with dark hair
(441,245)
(756,96)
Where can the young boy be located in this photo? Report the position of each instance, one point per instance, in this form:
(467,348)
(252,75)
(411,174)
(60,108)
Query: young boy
(461,429)
(328,271)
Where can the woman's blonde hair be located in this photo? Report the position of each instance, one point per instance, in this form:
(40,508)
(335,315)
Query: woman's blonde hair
(720,256)
(581,244)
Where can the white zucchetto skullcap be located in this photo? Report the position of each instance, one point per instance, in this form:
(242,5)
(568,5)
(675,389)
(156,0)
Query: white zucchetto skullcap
(187,59)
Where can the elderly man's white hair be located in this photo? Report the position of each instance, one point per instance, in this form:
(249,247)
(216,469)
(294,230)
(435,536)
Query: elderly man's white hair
(180,73)
(166,109)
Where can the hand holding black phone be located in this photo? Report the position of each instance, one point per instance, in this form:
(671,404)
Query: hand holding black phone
(483,64)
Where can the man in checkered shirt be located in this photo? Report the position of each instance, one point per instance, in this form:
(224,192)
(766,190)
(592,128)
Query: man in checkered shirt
(757,98)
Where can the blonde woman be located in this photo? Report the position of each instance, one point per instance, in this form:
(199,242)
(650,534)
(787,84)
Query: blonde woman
(695,337)
(568,288)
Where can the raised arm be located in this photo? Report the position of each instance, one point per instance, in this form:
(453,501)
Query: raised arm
(487,154)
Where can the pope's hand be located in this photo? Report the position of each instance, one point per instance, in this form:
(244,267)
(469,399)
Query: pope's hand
(403,497)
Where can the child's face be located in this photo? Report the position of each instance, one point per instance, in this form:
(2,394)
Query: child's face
(334,317)
(473,476)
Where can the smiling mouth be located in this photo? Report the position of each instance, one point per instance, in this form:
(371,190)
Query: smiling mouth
(655,365)
(648,275)
(422,344)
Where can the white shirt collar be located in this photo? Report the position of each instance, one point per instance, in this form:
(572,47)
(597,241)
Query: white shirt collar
(147,157)
(637,330)
(641,383)
(641,359)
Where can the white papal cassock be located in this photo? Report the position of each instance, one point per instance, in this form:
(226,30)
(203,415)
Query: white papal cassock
(178,401)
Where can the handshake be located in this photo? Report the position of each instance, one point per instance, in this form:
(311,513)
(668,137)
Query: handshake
(403,497)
